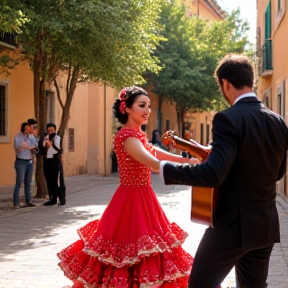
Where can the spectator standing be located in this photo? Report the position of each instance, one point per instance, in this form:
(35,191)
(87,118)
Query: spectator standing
(24,145)
(53,167)
(157,139)
(33,128)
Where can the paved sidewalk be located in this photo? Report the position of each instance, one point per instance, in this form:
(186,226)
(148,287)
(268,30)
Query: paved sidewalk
(31,237)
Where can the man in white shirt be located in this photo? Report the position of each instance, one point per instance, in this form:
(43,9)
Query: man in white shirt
(52,166)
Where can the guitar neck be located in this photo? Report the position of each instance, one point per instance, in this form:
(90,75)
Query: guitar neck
(193,147)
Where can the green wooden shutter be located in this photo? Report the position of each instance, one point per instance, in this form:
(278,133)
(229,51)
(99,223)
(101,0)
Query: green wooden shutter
(268,21)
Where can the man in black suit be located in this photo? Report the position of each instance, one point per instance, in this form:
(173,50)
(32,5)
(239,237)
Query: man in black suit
(248,157)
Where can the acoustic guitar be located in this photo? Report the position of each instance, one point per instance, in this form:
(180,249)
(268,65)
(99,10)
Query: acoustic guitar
(204,199)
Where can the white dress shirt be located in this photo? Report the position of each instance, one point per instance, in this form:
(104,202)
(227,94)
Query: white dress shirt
(51,151)
(249,94)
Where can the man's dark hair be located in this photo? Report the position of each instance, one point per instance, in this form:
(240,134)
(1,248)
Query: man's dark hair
(31,121)
(50,125)
(237,69)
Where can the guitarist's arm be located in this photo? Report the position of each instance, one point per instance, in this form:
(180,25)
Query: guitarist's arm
(135,148)
(214,170)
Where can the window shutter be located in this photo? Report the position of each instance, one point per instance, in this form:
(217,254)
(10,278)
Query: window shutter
(268,21)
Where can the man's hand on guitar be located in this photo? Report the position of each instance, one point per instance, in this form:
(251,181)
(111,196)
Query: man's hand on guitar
(194,148)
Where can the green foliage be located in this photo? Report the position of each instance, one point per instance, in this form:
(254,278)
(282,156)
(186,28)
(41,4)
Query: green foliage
(190,55)
(7,63)
(107,41)
(11,16)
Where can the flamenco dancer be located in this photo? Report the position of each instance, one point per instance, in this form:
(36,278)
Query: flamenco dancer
(133,244)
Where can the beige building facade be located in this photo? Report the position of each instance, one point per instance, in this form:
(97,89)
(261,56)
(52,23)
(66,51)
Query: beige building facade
(87,143)
(272,70)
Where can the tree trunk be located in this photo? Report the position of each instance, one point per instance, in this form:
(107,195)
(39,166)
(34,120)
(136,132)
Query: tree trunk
(182,122)
(69,97)
(70,89)
(180,114)
(41,94)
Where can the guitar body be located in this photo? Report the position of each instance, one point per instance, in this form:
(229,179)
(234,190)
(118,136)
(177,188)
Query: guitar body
(203,199)
(203,203)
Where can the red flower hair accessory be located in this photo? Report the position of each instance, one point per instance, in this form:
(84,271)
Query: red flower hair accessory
(122,106)
(122,94)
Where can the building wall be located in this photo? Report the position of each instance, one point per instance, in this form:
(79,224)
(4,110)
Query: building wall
(272,85)
(20,109)
(202,8)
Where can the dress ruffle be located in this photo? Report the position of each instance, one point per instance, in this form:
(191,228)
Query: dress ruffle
(120,255)
(152,260)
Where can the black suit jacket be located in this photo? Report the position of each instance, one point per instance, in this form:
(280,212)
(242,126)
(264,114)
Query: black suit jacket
(248,157)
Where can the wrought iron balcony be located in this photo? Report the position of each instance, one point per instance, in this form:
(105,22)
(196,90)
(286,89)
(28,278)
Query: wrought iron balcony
(267,57)
(9,39)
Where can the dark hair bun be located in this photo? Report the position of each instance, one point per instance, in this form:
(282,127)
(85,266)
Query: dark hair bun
(122,118)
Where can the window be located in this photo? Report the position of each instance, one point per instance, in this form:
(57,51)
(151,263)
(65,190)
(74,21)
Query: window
(279,103)
(167,125)
(279,5)
(280,99)
(71,139)
(267,45)
(280,12)
(268,21)
(207,134)
(10,39)
(202,134)
(267,98)
(4,111)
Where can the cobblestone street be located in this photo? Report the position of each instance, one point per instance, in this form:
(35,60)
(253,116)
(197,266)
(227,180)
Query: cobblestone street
(31,237)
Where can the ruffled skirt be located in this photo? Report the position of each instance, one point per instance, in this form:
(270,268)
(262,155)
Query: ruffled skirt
(132,245)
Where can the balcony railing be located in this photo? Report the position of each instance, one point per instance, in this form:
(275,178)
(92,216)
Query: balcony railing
(9,38)
(267,55)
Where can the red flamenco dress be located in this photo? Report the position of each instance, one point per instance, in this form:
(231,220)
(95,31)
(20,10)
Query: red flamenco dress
(133,244)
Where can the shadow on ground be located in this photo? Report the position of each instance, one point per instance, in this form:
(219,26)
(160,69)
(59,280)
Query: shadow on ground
(33,228)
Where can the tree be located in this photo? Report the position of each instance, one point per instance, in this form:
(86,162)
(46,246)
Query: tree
(189,57)
(90,40)
(118,58)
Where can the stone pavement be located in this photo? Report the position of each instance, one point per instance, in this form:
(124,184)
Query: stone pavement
(31,237)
